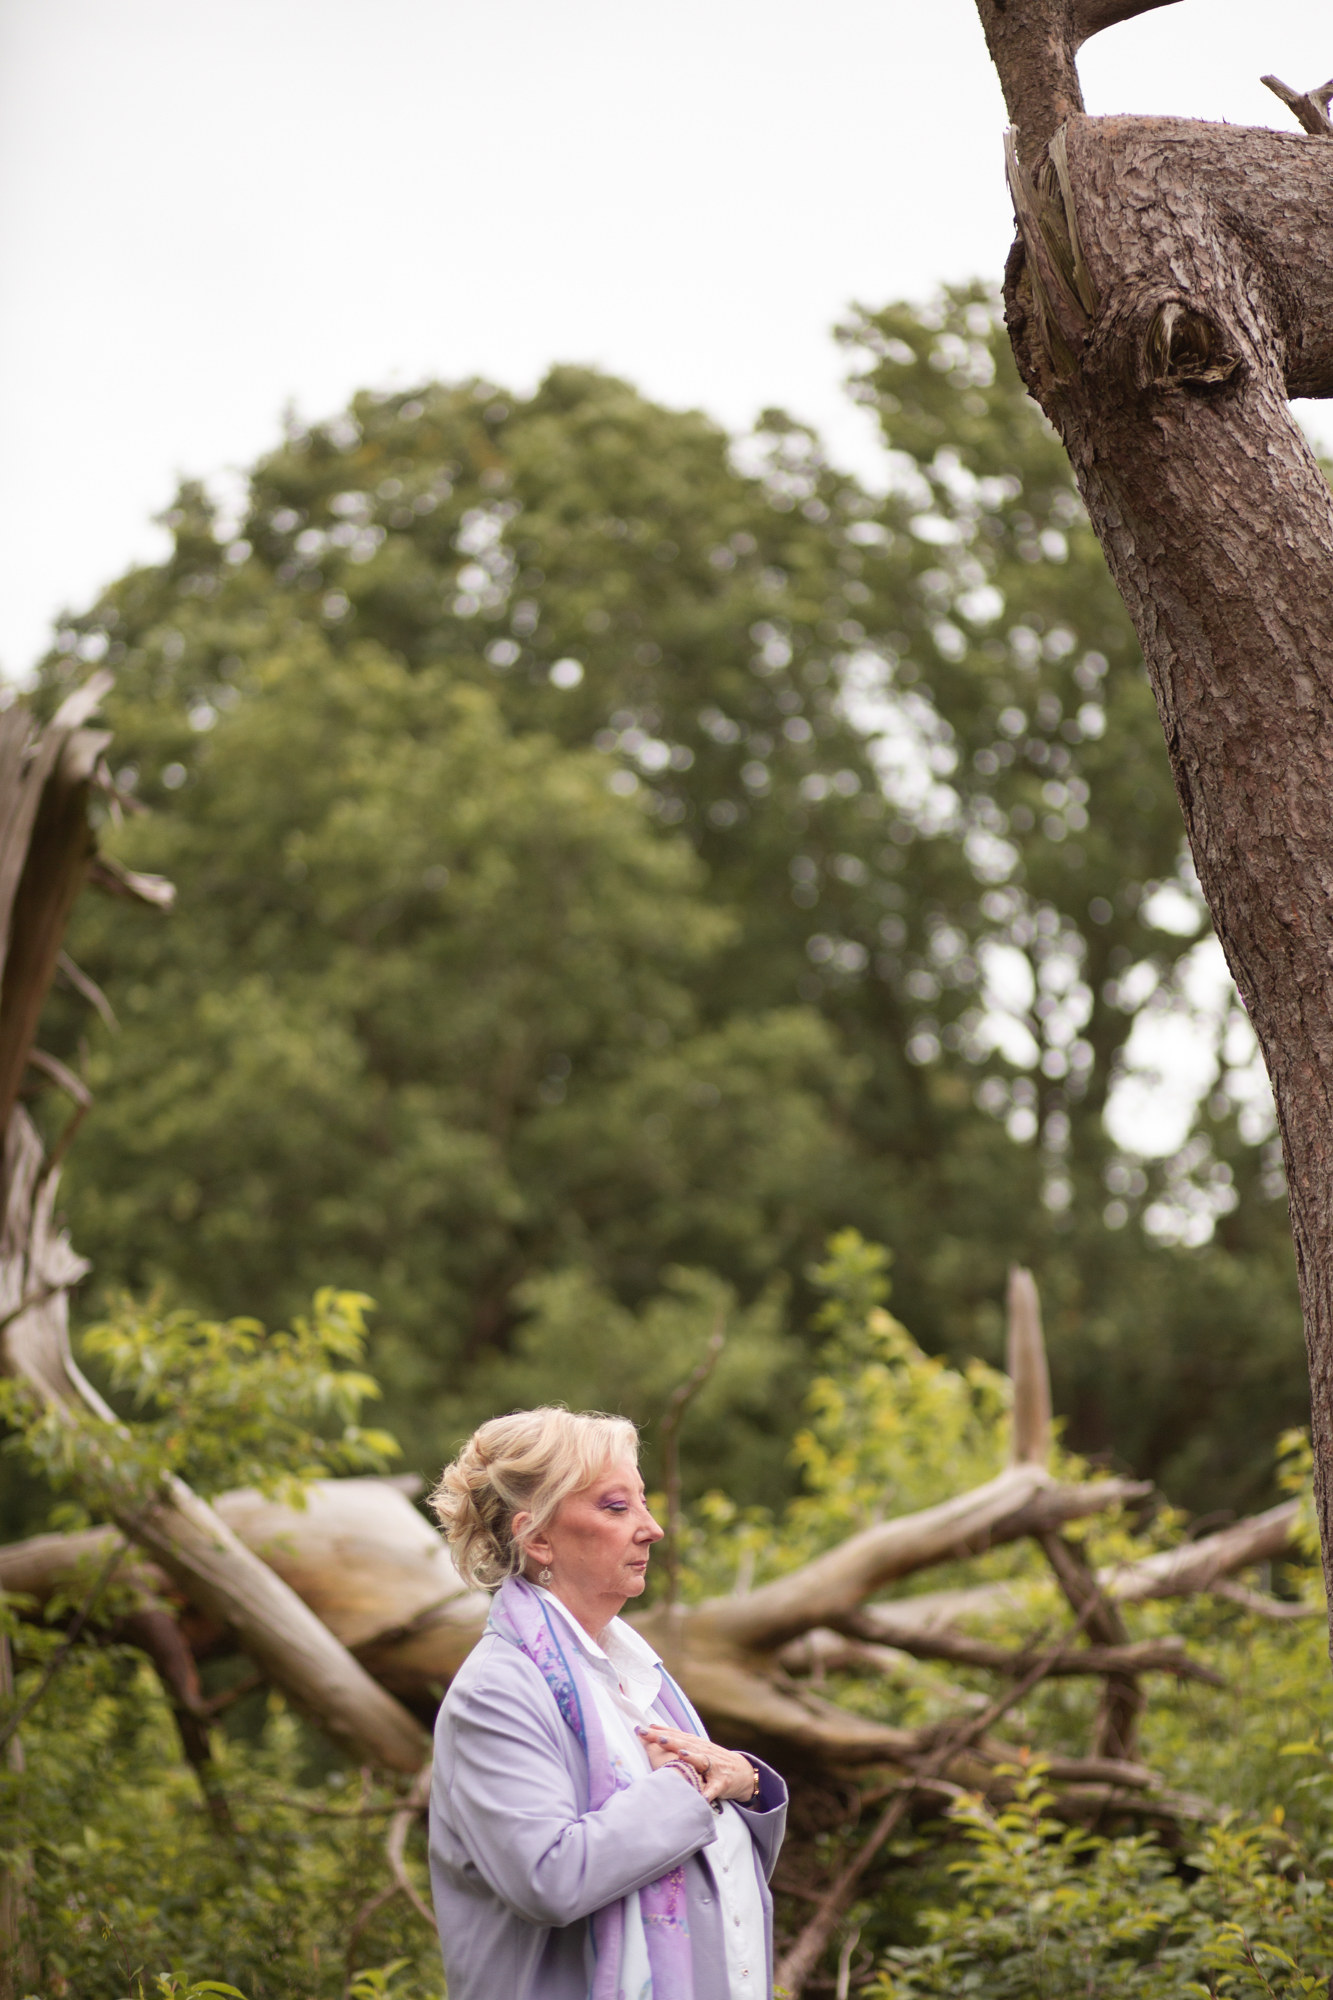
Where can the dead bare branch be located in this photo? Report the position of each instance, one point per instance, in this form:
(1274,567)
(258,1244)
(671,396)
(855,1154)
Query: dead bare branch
(88,989)
(871,1637)
(108,875)
(1116,1728)
(1021,1500)
(1198,1565)
(395,1845)
(1263,1606)
(1091,16)
(1310,106)
(1028,1371)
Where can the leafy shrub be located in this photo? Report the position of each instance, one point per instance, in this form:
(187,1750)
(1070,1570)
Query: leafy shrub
(1049,1912)
(218,1403)
(129,1876)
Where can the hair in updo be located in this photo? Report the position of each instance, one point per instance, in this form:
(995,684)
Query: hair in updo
(525,1463)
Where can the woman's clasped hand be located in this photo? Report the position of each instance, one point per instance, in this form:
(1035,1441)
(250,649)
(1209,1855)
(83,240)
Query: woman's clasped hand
(723,1774)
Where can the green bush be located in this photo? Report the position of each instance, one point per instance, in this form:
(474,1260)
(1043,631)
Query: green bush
(1049,1912)
(131,1874)
(270,1880)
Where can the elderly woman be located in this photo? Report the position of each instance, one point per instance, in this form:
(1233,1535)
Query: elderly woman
(587,1840)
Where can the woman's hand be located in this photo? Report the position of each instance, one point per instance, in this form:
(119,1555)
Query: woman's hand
(723,1774)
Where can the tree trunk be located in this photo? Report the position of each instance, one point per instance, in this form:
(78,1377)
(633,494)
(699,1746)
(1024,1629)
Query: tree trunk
(1172,287)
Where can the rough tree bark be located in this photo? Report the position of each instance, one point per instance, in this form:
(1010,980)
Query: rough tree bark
(1171,287)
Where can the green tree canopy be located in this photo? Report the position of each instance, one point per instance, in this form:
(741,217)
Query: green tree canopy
(607,851)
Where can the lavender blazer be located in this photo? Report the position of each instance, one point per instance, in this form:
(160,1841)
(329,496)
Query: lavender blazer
(518,1862)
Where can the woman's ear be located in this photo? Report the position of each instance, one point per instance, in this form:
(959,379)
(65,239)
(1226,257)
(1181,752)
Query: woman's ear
(537,1548)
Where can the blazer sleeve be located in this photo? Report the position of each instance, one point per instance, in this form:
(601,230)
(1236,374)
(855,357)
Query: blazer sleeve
(766,1816)
(513,1806)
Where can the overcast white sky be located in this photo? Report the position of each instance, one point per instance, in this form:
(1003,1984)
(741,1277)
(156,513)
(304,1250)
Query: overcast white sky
(209,207)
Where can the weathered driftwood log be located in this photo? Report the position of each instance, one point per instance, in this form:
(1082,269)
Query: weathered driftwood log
(47,853)
(379,1577)
(1196,1567)
(380,1580)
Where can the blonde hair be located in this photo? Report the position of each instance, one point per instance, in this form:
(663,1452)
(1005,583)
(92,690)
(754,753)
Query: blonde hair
(524,1463)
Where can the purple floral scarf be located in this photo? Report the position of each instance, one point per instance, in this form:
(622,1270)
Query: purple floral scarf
(519,1615)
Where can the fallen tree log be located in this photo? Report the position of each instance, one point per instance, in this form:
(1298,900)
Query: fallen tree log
(380,1579)
(1022,1500)
(1207,1565)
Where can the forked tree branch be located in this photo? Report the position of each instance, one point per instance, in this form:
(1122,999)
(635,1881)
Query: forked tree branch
(1022,1500)
(1091,16)
(1033,44)
(1309,106)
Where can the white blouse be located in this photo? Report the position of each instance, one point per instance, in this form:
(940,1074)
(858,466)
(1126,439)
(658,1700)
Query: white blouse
(626,1678)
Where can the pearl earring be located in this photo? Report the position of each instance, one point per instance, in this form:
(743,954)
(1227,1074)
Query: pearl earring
(543,1576)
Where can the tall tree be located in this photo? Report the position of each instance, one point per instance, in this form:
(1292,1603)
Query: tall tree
(1170,291)
(871,822)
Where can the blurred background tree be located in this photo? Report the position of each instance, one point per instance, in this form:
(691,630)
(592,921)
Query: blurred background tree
(610,857)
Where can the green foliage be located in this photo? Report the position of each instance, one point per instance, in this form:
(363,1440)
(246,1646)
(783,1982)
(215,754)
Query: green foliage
(128,1874)
(1047,1911)
(600,850)
(136,1881)
(601,1353)
(227,1405)
(890,1428)
(370,1985)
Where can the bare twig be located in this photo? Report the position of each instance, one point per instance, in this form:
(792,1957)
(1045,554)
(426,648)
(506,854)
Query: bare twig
(73,1087)
(671,1420)
(52,1067)
(849,1944)
(401,1885)
(75,976)
(396,1843)
(873,1641)
(109,875)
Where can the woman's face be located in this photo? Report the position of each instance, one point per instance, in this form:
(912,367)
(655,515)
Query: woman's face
(596,1546)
